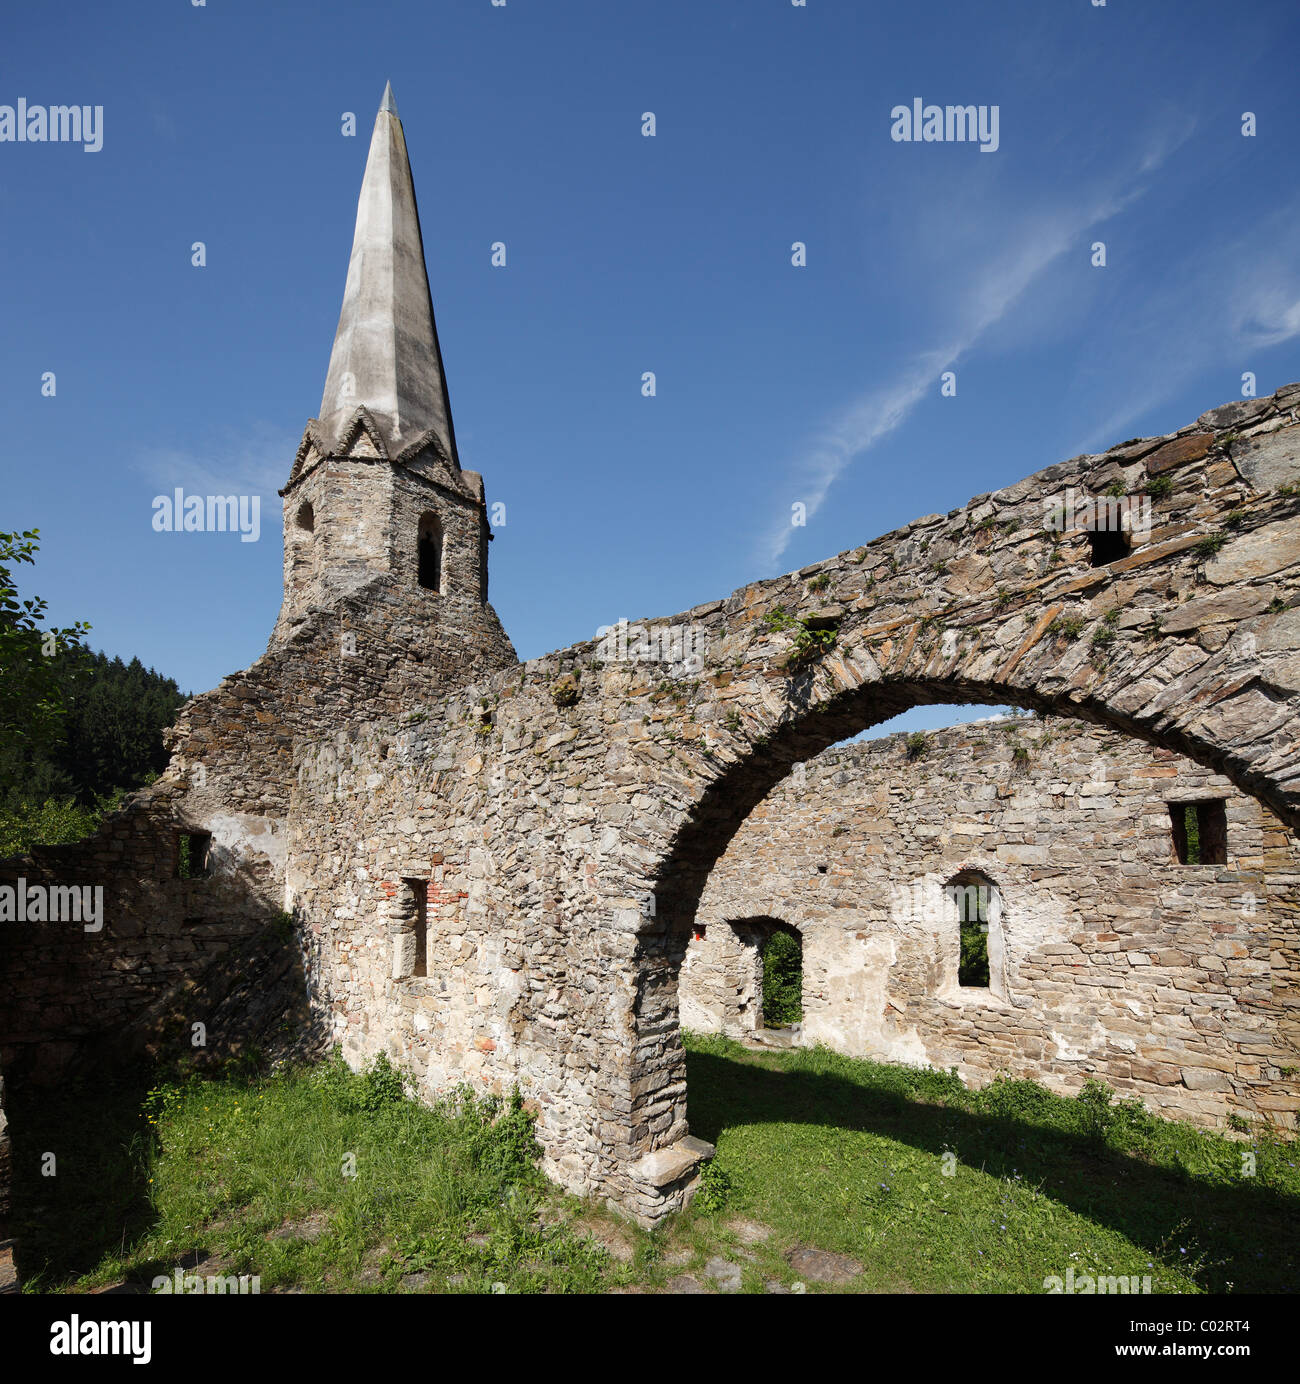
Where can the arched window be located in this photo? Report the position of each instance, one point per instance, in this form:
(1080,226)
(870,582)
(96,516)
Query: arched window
(978,908)
(306,517)
(430,553)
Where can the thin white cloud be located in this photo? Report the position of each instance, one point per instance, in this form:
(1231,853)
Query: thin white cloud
(993,291)
(1232,302)
(254,460)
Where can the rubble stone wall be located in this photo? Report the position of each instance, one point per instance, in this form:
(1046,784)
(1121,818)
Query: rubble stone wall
(1112,960)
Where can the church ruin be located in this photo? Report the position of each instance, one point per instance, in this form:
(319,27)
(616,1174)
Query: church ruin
(496,872)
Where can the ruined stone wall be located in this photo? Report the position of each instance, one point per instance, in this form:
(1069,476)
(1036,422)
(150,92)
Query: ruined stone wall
(229,776)
(1166,980)
(517,989)
(546,803)
(65,989)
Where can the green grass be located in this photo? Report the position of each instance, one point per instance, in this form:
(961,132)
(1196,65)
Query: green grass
(847,1155)
(218,1167)
(826,1151)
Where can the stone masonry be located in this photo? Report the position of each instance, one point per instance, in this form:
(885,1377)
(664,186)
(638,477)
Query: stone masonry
(388,772)
(1111,959)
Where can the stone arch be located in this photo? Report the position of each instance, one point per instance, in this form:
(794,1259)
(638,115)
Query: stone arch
(821,712)
(827,704)
(305,519)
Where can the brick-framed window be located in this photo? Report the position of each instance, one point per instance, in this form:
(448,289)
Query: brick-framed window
(409,915)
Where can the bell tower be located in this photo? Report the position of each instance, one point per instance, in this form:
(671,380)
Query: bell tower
(379,517)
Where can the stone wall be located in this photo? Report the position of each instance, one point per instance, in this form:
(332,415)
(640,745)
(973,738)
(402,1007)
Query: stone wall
(67,989)
(1110,958)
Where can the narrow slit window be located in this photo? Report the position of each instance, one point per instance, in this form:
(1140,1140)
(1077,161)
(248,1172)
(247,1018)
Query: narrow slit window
(418,901)
(429,554)
(975,899)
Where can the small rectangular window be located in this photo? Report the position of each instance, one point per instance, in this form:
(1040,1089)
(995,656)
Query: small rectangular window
(1107,545)
(193,855)
(1200,831)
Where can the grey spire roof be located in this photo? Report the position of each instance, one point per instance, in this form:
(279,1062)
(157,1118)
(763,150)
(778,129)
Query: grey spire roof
(385,354)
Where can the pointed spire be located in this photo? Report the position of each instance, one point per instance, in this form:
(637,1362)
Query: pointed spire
(386,354)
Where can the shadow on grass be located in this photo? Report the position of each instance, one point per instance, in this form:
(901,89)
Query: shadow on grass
(93,1199)
(1247,1234)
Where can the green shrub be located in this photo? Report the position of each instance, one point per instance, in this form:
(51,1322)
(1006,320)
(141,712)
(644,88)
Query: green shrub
(55,822)
(1094,1108)
(382,1085)
(973,966)
(1018,1100)
(714,1190)
(808,645)
(1071,626)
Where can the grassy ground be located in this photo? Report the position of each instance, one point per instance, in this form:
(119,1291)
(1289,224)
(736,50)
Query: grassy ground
(324,1180)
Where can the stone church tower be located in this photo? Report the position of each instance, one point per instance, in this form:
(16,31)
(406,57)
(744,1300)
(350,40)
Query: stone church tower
(381,524)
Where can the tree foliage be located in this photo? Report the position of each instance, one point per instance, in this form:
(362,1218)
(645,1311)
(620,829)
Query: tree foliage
(782,980)
(77,729)
(31,690)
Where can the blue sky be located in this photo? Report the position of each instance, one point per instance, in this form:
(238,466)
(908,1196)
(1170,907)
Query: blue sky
(626,254)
